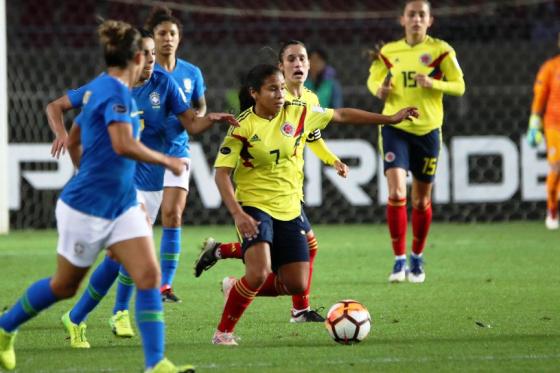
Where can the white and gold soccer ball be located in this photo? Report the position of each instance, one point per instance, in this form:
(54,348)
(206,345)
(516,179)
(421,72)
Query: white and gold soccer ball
(348,322)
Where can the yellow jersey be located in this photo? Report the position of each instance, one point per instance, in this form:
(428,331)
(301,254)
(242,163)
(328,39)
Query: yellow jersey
(266,157)
(401,62)
(314,139)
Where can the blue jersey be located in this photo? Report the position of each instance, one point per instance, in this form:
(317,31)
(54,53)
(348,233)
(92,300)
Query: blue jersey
(190,80)
(104,185)
(158,98)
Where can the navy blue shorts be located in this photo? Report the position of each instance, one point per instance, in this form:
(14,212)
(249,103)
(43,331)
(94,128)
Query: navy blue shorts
(417,154)
(287,239)
(306,223)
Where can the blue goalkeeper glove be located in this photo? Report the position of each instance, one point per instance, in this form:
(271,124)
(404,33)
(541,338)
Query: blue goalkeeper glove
(534,132)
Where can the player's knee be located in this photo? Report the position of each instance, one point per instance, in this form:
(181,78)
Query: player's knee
(257,277)
(296,287)
(421,203)
(148,278)
(64,290)
(172,217)
(397,194)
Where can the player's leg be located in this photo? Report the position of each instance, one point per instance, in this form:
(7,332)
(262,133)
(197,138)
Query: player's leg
(289,255)
(301,311)
(421,222)
(39,296)
(424,152)
(120,319)
(77,249)
(131,243)
(243,291)
(553,177)
(175,191)
(211,251)
(394,145)
(99,284)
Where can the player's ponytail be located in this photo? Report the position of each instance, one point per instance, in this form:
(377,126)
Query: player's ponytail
(253,82)
(120,42)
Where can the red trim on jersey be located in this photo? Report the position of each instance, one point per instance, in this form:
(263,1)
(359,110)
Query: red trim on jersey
(386,61)
(299,129)
(244,153)
(437,73)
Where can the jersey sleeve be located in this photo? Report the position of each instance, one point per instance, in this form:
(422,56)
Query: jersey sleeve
(317,117)
(176,99)
(232,148)
(118,109)
(76,96)
(321,150)
(377,73)
(79,119)
(541,88)
(453,82)
(199,86)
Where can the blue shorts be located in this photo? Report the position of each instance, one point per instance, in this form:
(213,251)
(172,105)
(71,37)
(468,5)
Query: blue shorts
(287,239)
(414,153)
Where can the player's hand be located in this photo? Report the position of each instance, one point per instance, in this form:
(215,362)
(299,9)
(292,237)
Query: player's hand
(386,88)
(534,132)
(175,165)
(406,113)
(59,145)
(424,80)
(341,168)
(223,117)
(246,225)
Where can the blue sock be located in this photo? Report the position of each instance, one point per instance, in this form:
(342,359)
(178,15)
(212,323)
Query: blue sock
(99,284)
(149,317)
(170,248)
(35,299)
(125,286)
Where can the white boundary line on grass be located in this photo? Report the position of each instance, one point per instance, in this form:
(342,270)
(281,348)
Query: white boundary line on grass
(379,360)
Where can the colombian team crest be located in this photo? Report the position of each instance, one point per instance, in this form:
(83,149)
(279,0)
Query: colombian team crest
(154,99)
(426,59)
(288,129)
(389,157)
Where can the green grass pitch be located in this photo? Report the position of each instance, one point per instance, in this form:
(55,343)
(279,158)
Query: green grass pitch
(491,302)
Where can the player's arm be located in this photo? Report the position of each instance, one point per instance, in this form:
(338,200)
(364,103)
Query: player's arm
(55,116)
(125,145)
(379,80)
(195,124)
(454,83)
(246,225)
(74,145)
(357,116)
(198,98)
(541,91)
(200,106)
(322,151)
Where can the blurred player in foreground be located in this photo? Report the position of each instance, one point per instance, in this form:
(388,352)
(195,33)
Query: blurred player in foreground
(98,208)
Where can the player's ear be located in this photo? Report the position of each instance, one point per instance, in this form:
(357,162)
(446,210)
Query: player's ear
(139,58)
(253,93)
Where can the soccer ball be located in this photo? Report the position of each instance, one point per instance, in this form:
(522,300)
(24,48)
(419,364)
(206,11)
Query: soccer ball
(348,322)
